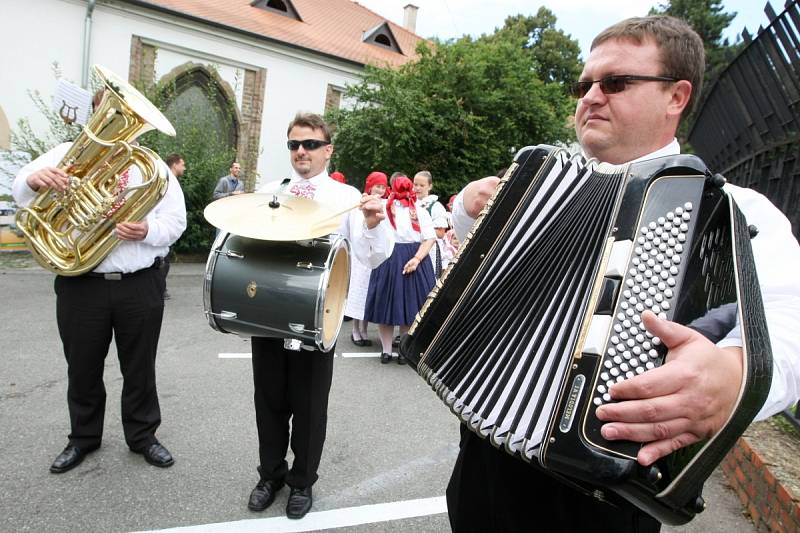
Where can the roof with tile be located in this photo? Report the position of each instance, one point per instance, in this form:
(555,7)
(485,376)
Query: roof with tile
(331,27)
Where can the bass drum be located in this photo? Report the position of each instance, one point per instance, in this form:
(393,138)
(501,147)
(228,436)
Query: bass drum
(293,290)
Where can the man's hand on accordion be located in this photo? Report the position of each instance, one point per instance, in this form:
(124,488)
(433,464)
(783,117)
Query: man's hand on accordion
(477,193)
(685,400)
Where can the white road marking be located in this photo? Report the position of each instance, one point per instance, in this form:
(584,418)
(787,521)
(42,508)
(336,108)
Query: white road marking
(247,355)
(361,354)
(320,520)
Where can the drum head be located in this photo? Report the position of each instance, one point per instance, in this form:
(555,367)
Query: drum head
(335,296)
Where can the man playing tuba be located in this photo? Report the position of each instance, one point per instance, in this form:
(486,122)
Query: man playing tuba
(122,296)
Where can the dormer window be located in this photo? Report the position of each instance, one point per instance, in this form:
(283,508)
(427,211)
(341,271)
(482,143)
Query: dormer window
(280,7)
(381,35)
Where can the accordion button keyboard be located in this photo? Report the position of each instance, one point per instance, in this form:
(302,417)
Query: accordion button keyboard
(653,266)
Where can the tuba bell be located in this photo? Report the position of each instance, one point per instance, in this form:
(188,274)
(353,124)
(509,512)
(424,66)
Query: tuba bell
(71,232)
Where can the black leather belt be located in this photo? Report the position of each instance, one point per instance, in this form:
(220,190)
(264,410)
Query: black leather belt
(116,276)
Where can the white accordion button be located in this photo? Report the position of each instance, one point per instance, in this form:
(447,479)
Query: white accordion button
(618,259)
(598,333)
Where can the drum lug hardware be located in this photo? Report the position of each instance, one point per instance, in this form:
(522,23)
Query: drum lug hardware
(227,315)
(230,253)
(292,344)
(308,265)
(313,243)
(301,329)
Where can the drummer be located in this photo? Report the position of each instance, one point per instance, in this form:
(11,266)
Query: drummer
(292,384)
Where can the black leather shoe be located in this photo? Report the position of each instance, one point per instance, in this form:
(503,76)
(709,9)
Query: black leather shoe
(157,455)
(385,358)
(299,503)
(401,360)
(264,494)
(357,342)
(68,459)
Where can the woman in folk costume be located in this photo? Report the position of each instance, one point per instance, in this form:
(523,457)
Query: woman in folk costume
(450,240)
(377,185)
(399,286)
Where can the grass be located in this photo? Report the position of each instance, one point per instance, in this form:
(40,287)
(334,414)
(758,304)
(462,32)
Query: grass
(785,426)
(16,259)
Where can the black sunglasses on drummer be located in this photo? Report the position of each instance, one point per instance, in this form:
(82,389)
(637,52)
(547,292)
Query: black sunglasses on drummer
(612,84)
(307,144)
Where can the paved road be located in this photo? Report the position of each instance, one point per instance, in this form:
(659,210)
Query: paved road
(387,459)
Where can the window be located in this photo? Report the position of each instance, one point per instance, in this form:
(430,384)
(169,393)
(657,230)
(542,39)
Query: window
(333,98)
(198,105)
(279,7)
(381,35)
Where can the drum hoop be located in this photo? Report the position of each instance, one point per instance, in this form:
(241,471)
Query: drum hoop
(211,265)
(337,242)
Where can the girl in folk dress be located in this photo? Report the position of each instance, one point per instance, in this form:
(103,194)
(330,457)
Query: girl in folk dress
(377,185)
(399,286)
(450,240)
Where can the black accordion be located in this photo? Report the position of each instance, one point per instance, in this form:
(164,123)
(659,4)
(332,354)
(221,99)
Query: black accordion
(540,313)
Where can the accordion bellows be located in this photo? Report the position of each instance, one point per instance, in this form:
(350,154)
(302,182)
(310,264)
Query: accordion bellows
(540,313)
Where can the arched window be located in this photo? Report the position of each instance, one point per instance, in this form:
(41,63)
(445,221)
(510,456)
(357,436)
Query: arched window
(280,7)
(197,103)
(381,35)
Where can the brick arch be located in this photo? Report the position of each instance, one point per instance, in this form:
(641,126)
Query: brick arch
(197,75)
(143,57)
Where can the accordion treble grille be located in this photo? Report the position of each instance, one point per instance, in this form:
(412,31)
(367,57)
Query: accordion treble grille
(506,351)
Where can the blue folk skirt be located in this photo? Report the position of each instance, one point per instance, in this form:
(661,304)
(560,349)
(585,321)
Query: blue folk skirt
(394,298)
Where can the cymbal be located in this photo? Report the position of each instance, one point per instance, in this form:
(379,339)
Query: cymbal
(292,219)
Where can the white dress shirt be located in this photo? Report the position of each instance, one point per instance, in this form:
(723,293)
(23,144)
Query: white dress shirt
(165,223)
(777,254)
(370,246)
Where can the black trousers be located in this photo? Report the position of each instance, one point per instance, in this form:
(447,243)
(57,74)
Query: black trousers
(89,311)
(491,491)
(290,385)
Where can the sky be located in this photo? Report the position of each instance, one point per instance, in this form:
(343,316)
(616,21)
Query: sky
(582,19)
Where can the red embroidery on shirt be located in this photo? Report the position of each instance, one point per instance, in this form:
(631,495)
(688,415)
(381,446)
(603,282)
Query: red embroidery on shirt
(122,185)
(303,190)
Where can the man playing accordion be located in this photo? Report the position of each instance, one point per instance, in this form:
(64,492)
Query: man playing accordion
(642,76)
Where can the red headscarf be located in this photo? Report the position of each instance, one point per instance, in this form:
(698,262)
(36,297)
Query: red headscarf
(338,176)
(451,202)
(376,178)
(403,192)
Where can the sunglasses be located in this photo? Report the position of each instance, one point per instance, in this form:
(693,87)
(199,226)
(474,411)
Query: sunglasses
(307,144)
(612,84)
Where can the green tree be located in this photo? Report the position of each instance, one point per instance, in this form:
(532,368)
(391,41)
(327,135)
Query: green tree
(460,111)
(556,54)
(709,20)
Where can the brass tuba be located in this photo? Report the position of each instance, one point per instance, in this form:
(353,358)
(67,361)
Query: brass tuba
(71,232)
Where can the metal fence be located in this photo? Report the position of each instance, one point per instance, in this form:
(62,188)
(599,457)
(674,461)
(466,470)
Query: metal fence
(748,125)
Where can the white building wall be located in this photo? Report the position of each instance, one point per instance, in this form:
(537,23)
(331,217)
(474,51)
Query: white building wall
(36,33)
